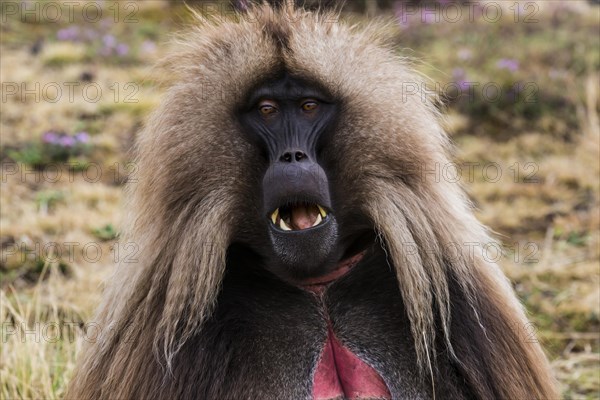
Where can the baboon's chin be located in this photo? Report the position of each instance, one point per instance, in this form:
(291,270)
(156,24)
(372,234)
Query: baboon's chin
(305,253)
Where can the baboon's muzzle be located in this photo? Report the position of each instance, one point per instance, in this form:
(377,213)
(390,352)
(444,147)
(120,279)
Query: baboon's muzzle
(297,204)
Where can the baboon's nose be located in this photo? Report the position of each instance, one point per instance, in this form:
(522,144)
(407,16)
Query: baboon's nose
(291,156)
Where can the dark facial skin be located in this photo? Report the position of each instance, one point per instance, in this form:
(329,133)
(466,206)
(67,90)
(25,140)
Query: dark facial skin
(289,121)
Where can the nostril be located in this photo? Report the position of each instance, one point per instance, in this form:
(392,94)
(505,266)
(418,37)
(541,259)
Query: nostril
(291,156)
(286,157)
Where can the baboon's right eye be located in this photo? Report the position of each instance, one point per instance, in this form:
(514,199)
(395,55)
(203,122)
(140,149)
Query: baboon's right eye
(267,108)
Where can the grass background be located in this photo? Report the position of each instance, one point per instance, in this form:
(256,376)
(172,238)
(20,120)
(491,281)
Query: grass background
(64,160)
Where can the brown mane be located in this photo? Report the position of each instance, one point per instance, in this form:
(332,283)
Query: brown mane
(188,187)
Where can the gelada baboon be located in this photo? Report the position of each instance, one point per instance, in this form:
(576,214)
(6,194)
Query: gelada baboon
(290,246)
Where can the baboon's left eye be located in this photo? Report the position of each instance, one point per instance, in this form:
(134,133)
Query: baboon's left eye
(310,105)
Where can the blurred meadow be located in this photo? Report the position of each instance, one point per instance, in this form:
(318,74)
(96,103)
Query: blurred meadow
(520,84)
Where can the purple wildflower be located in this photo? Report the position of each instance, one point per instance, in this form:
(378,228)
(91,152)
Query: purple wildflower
(70,33)
(122,49)
(50,137)
(508,63)
(429,17)
(82,137)
(109,41)
(67,141)
(460,79)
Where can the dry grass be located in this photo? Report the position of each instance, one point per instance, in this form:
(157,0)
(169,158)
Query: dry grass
(42,335)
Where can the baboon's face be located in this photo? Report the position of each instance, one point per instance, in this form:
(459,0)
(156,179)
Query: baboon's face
(290,122)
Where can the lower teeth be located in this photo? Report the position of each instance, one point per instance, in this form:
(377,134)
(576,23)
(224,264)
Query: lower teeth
(318,220)
(283,225)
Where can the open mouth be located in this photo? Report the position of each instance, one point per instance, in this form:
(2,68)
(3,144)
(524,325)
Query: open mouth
(298,216)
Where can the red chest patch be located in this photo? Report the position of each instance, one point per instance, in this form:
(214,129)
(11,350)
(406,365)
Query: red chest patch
(341,374)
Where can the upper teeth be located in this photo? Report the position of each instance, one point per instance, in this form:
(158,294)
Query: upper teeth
(274,216)
(277,220)
(322,211)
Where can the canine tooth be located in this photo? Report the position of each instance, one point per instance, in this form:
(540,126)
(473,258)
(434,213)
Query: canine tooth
(274,216)
(318,220)
(322,211)
(283,225)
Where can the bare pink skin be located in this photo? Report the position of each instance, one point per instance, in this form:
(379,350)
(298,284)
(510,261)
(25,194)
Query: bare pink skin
(340,373)
(318,284)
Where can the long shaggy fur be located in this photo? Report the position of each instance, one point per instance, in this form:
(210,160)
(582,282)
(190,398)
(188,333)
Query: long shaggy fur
(195,172)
